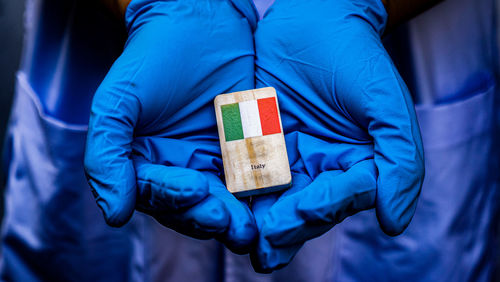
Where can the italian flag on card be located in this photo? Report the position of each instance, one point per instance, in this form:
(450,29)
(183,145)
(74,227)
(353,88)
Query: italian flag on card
(252,142)
(250,118)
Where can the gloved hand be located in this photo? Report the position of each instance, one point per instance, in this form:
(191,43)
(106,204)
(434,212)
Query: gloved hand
(152,142)
(352,135)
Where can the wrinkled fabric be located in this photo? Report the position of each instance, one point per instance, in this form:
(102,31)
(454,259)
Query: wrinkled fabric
(66,52)
(46,213)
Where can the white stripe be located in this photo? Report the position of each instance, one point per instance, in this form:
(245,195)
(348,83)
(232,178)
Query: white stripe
(250,119)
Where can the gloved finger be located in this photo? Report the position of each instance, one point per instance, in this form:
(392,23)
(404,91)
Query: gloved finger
(329,199)
(242,229)
(109,170)
(262,206)
(205,220)
(265,258)
(376,97)
(163,187)
(283,218)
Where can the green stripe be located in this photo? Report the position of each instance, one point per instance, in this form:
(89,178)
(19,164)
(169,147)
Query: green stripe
(232,122)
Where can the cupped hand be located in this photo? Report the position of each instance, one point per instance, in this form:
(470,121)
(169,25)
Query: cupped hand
(352,135)
(152,142)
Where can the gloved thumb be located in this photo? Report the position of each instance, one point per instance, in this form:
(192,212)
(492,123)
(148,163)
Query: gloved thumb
(108,167)
(167,188)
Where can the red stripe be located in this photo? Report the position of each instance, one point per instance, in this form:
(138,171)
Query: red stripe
(269,119)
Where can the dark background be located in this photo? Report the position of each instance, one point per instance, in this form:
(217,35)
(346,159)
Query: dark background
(11,35)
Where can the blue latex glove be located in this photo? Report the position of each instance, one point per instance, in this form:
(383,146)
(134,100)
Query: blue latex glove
(351,129)
(152,141)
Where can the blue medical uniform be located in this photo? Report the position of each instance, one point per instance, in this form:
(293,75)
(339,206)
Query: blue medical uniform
(53,230)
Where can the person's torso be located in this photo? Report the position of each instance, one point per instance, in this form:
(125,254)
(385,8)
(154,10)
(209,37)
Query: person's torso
(448,58)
